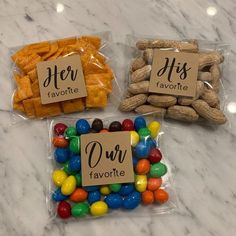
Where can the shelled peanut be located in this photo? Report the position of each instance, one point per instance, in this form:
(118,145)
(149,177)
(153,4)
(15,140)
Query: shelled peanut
(204,105)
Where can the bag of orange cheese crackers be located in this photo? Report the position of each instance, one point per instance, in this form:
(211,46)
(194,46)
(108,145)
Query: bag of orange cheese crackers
(46,81)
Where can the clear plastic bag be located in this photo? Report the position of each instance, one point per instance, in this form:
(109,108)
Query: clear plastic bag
(151,193)
(95,52)
(208,104)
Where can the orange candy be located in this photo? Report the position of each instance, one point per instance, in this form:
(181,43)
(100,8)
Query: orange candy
(60,142)
(161,196)
(147,197)
(142,167)
(154,184)
(104,131)
(79,195)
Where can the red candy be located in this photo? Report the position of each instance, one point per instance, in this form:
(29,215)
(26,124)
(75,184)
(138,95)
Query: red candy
(59,128)
(64,210)
(155,155)
(127,125)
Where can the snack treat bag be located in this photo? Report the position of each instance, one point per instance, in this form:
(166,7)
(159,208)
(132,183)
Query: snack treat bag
(181,80)
(138,180)
(95,74)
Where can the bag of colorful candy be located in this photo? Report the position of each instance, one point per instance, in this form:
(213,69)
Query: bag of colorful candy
(45,88)
(147,188)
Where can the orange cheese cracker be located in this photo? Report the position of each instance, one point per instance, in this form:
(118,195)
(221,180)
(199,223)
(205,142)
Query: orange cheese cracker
(32,64)
(16,98)
(73,105)
(46,110)
(20,53)
(96,97)
(79,47)
(22,61)
(35,89)
(102,80)
(29,107)
(92,66)
(53,49)
(24,90)
(33,75)
(18,106)
(66,41)
(94,40)
(56,55)
(109,71)
(100,57)
(39,48)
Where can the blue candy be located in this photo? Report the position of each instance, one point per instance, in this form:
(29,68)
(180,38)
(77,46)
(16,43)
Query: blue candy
(135,161)
(126,189)
(82,126)
(93,197)
(91,188)
(75,163)
(61,155)
(113,200)
(57,196)
(142,149)
(139,123)
(151,142)
(132,200)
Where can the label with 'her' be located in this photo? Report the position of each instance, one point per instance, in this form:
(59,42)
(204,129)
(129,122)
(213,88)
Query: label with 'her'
(61,79)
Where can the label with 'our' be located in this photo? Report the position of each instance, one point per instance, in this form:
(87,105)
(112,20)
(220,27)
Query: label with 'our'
(106,158)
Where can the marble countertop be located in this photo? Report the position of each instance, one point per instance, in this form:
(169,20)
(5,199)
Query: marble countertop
(202,158)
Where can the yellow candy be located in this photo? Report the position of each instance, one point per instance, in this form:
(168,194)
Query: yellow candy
(140,183)
(98,208)
(58,177)
(134,138)
(68,185)
(154,128)
(104,190)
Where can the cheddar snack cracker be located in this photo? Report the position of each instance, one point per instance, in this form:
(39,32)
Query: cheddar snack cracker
(97,76)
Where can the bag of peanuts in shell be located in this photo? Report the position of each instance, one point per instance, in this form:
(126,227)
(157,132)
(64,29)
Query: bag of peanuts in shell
(177,79)
(63,76)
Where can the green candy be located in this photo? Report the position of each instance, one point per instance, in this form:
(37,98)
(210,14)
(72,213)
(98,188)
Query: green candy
(78,180)
(70,132)
(144,132)
(115,187)
(158,169)
(75,145)
(80,209)
(67,170)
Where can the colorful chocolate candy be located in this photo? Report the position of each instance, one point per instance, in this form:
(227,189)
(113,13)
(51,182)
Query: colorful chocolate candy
(61,155)
(80,209)
(115,126)
(98,208)
(74,199)
(60,128)
(97,125)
